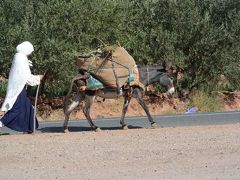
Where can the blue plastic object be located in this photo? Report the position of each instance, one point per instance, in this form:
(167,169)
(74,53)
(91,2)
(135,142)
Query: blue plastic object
(94,84)
(191,110)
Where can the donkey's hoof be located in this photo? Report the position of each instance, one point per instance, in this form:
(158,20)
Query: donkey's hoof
(98,129)
(66,130)
(154,125)
(124,127)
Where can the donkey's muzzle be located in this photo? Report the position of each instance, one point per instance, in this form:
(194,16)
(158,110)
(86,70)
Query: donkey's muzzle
(171,91)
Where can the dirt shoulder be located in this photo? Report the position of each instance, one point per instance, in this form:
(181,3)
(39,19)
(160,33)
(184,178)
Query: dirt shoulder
(207,152)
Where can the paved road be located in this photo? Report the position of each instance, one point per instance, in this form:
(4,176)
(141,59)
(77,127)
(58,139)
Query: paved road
(141,122)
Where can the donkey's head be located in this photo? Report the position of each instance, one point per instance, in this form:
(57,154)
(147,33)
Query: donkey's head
(152,74)
(166,81)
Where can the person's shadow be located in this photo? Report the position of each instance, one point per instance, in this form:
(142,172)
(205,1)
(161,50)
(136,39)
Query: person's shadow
(4,133)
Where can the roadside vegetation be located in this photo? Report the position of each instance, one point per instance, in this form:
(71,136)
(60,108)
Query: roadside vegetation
(197,39)
(206,102)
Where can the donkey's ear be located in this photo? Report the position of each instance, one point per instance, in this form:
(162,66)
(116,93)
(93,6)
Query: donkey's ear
(162,68)
(167,67)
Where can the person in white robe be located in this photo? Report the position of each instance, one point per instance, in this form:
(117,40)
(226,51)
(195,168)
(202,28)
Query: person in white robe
(20,75)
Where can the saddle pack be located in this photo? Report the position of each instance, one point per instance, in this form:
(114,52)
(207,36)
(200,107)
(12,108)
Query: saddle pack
(113,69)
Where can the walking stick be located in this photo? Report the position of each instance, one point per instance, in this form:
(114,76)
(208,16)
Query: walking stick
(35,109)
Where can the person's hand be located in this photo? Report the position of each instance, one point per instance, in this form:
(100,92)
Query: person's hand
(2,113)
(41,76)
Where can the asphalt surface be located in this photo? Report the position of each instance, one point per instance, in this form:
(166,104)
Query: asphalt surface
(179,120)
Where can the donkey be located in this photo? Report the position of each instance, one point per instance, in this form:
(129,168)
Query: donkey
(147,76)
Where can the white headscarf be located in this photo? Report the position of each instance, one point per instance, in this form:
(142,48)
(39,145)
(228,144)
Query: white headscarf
(25,48)
(19,75)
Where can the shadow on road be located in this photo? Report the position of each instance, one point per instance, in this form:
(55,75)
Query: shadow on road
(3,134)
(80,129)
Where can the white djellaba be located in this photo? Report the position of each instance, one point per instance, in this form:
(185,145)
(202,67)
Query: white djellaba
(20,75)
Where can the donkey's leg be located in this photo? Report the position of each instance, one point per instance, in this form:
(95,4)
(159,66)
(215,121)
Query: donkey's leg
(137,93)
(89,99)
(127,100)
(67,111)
(69,107)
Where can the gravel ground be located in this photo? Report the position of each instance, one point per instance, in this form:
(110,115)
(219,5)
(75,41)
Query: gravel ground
(206,152)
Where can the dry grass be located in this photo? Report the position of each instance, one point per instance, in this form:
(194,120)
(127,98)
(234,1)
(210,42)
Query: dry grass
(207,103)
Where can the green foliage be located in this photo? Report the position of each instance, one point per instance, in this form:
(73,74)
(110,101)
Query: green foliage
(199,36)
(3,88)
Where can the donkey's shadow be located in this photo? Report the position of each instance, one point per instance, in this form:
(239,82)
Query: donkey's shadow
(80,129)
